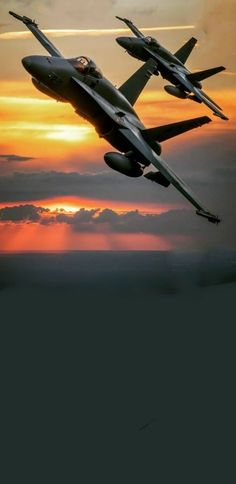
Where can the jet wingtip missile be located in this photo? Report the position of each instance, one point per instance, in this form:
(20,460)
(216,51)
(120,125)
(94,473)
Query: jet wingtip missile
(15,15)
(210,216)
(221,115)
(24,19)
(123,19)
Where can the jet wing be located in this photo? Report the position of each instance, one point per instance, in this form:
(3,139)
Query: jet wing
(142,147)
(33,27)
(132,27)
(182,79)
(97,102)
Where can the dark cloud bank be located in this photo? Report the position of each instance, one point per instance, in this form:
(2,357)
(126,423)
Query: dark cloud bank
(14,158)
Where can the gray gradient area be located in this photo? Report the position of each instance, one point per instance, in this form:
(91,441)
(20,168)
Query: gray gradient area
(120,365)
(121,273)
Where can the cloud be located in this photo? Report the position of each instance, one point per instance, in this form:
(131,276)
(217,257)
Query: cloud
(95,220)
(82,216)
(14,158)
(25,34)
(21,213)
(27,3)
(105,185)
(217,21)
(133,221)
(182,228)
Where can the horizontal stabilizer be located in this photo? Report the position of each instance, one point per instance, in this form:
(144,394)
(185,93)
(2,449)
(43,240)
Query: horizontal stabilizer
(162,133)
(201,75)
(133,87)
(184,52)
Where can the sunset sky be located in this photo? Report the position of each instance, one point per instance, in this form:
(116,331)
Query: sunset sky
(56,193)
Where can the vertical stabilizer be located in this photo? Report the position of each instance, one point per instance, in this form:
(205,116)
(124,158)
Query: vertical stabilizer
(133,87)
(184,52)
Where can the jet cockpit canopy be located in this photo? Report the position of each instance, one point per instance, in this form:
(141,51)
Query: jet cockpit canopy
(86,66)
(151,41)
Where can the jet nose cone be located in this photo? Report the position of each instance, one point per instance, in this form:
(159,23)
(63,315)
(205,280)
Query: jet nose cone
(123,41)
(27,62)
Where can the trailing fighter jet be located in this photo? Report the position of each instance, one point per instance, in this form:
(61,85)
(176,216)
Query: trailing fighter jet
(185,84)
(80,82)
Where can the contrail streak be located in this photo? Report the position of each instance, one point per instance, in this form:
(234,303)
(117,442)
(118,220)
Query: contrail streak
(88,32)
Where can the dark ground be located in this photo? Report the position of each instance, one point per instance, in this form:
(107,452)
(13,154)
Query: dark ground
(118,367)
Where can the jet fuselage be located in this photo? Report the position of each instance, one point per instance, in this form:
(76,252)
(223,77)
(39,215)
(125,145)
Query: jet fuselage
(136,48)
(54,76)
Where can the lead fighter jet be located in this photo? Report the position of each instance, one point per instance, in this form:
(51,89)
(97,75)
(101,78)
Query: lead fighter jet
(185,84)
(80,82)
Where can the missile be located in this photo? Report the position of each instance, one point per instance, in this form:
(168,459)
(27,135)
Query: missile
(210,216)
(24,19)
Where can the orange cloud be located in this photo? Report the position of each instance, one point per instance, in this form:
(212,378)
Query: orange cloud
(72,204)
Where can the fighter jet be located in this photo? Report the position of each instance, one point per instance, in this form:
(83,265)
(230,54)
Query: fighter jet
(184,84)
(80,82)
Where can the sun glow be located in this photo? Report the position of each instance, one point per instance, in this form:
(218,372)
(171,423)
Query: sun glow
(62,206)
(69,133)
